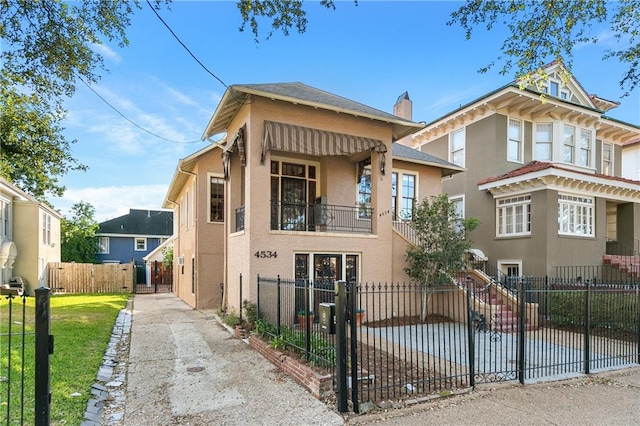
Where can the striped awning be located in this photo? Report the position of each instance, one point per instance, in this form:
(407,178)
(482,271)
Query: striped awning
(305,140)
(237,143)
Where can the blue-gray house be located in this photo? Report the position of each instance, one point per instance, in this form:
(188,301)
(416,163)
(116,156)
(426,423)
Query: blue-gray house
(129,238)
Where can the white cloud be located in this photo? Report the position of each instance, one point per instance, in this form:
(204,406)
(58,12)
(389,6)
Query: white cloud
(107,52)
(113,201)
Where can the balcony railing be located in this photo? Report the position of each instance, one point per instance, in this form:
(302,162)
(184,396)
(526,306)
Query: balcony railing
(320,218)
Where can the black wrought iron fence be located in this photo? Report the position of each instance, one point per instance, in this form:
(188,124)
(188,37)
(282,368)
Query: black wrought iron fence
(25,347)
(288,313)
(417,339)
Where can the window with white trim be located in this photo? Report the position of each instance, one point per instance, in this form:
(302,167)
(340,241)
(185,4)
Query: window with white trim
(544,138)
(216,197)
(575,215)
(584,152)
(457,147)
(513,216)
(140,244)
(403,194)
(103,245)
(569,136)
(4,219)
(458,202)
(607,159)
(514,142)
(46,228)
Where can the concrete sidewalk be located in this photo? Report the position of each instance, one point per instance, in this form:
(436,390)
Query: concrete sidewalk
(186,369)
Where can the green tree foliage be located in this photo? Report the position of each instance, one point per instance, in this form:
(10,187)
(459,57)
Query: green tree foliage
(541,31)
(167,257)
(79,242)
(47,45)
(284,15)
(442,241)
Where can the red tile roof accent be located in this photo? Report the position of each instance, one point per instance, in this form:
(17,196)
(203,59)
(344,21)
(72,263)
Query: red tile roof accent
(536,166)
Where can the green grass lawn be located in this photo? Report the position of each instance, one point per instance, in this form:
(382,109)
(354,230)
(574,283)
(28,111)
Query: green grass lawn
(81,326)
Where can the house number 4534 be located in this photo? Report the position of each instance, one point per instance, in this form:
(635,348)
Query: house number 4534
(264,254)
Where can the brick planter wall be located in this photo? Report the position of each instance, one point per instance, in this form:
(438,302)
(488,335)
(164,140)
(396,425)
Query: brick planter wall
(316,383)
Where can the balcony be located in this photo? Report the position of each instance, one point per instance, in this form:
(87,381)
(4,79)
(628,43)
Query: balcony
(320,217)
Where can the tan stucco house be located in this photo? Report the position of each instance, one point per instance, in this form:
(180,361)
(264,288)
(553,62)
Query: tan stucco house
(544,175)
(305,184)
(29,237)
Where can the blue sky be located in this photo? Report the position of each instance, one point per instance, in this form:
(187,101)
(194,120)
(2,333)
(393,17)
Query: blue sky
(370,53)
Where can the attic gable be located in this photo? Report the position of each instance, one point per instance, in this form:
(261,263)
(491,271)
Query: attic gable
(555,80)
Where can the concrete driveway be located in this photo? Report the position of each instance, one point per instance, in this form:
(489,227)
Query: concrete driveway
(186,369)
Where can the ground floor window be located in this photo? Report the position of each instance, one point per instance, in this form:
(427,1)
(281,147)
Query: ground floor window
(575,215)
(509,272)
(513,216)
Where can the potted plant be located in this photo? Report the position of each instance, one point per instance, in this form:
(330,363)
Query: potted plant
(359,315)
(305,319)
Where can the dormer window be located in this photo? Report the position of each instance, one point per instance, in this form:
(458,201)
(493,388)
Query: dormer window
(555,88)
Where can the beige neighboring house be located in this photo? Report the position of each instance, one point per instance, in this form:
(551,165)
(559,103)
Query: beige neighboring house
(29,236)
(305,184)
(544,178)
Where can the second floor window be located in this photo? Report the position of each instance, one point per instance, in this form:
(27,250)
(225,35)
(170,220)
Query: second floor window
(46,229)
(544,133)
(403,195)
(607,159)
(513,216)
(217,200)
(584,156)
(514,144)
(457,148)
(364,194)
(569,144)
(4,219)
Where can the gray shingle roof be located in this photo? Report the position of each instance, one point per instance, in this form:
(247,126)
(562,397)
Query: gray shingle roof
(140,222)
(403,152)
(301,94)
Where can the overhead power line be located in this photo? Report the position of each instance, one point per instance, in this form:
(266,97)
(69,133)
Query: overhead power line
(183,45)
(131,121)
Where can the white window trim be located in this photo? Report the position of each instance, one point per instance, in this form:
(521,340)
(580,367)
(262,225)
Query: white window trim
(535,140)
(5,207)
(579,148)
(464,146)
(135,244)
(502,262)
(591,206)
(573,146)
(416,188)
(520,159)
(107,245)
(611,171)
(527,214)
(224,189)
(46,228)
(461,197)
